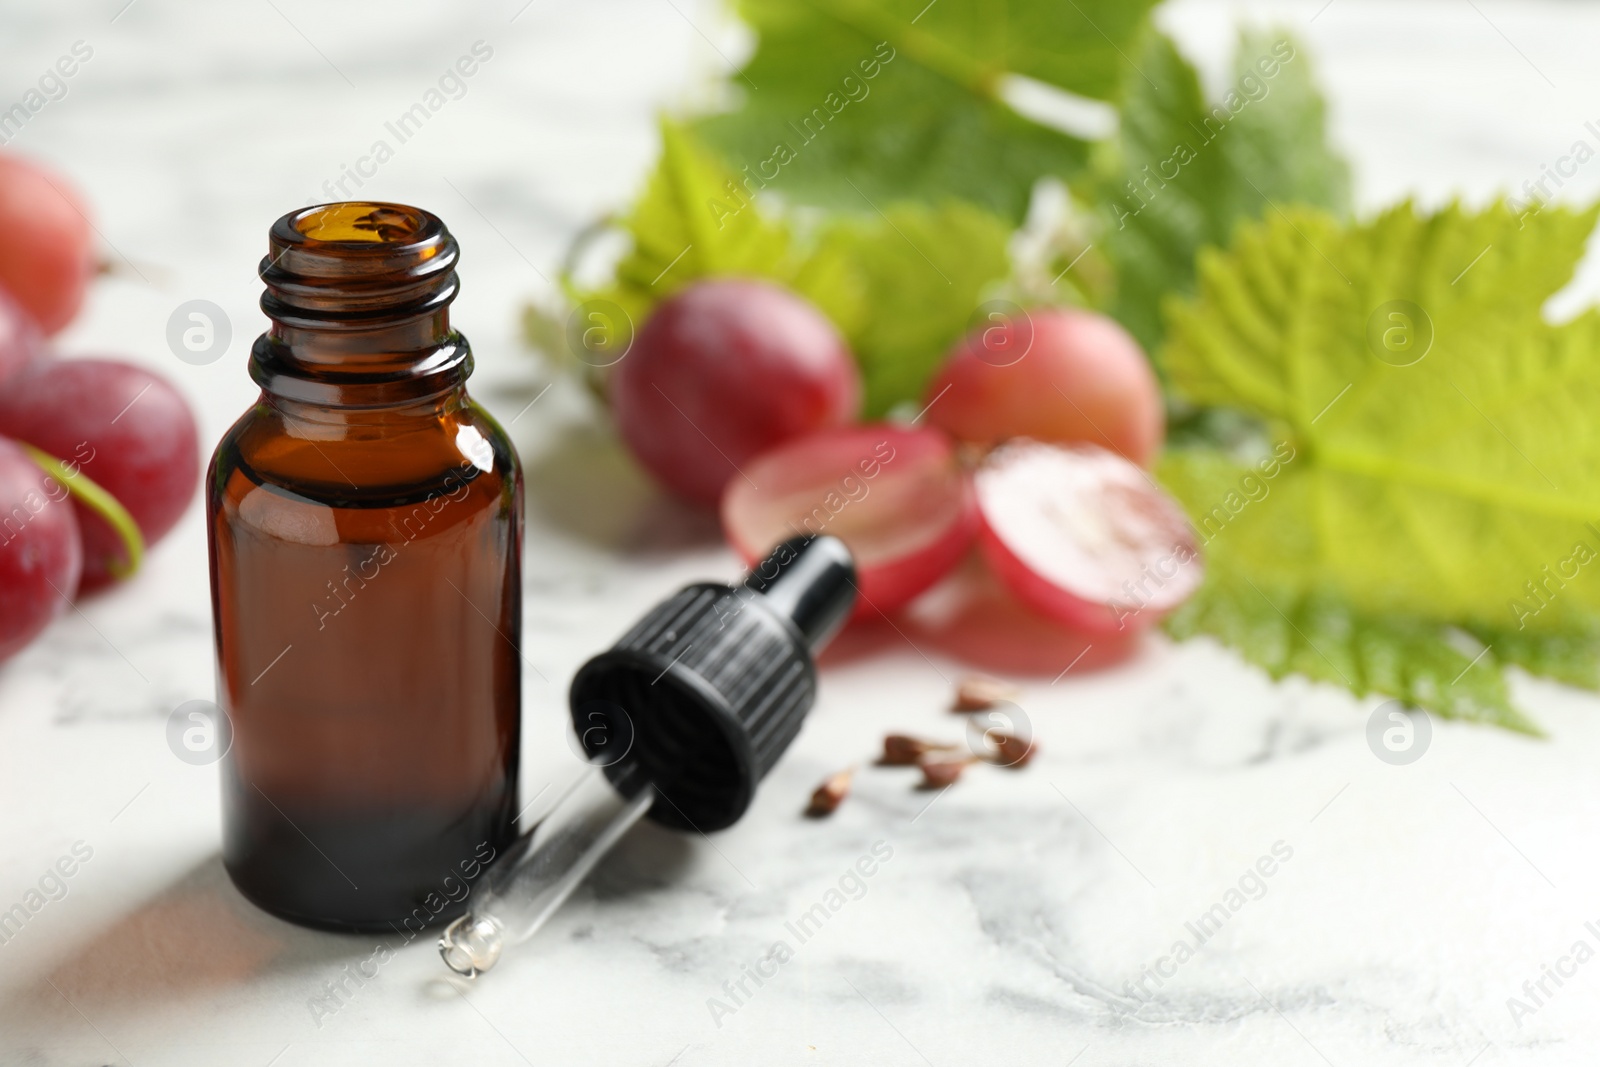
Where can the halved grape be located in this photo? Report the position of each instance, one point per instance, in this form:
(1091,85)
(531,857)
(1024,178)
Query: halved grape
(895,495)
(47,247)
(41,555)
(1085,536)
(126,429)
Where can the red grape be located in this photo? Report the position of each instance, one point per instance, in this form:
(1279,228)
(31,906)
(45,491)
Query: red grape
(1053,374)
(40,553)
(1084,536)
(20,340)
(896,496)
(46,243)
(723,371)
(126,429)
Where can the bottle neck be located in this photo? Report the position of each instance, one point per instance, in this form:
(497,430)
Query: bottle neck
(319,418)
(359,297)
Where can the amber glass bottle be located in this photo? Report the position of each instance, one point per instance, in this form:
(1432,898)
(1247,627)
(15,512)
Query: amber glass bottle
(365,523)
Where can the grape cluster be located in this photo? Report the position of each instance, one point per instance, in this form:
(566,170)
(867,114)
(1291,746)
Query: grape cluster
(1031,444)
(98,458)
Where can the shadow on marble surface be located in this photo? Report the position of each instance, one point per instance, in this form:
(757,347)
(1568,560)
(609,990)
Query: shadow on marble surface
(199,941)
(195,938)
(583,483)
(971,618)
(648,858)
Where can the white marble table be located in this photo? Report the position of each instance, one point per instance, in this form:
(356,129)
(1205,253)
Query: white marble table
(1018,915)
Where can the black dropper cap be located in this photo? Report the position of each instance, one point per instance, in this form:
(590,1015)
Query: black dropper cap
(704,694)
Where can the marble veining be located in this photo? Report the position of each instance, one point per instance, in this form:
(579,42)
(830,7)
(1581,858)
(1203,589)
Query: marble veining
(1019,912)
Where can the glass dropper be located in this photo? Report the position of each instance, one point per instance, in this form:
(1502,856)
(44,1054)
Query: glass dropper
(541,873)
(691,709)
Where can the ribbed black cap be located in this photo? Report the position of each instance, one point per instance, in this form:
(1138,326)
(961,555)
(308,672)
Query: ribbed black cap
(706,692)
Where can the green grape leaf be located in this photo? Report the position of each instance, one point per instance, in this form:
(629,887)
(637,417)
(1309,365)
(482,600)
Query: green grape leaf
(901,285)
(1187,171)
(1309,628)
(689,222)
(1436,472)
(1572,657)
(693,221)
(851,103)
(1319,636)
(903,289)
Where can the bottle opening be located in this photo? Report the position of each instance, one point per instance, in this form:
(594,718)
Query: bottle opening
(359,294)
(355,260)
(361,223)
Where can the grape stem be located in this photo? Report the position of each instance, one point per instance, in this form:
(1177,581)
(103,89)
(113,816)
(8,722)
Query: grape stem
(99,501)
